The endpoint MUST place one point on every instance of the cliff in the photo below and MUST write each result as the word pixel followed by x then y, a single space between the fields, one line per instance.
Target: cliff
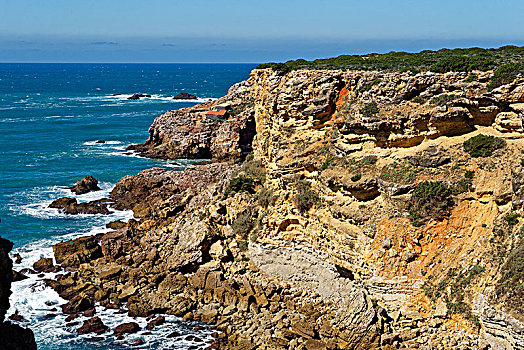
pixel 12 336
pixel 379 210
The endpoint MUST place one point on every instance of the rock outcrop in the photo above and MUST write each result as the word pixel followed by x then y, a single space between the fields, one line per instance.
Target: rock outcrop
pixel 361 221
pixel 86 184
pixel 12 336
pixel 184 96
pixel 189 133
pixel 71 206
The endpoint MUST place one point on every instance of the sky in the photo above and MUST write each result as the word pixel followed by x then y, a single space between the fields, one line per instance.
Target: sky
pixel 247 30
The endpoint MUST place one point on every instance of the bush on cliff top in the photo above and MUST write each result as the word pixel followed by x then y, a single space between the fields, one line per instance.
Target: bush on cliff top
pixel 505 74
pixel 483 145
pixel 444 60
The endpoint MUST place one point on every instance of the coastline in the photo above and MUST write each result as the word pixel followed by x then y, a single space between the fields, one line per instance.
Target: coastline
pixel 227 242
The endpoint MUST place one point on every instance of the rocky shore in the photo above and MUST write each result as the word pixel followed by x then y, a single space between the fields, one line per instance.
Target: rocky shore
pixel 12 336
pixel 340 210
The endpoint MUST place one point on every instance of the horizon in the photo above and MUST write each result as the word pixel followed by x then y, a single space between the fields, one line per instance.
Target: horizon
pixel 234 31
pixel 289 58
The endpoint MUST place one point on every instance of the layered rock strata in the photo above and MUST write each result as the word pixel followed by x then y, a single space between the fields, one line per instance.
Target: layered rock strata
pixel 315 242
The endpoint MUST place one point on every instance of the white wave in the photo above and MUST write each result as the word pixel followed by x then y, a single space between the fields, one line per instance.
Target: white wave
pixel 156 97
pixel 41 197
pixel 39 305
pixel 96 143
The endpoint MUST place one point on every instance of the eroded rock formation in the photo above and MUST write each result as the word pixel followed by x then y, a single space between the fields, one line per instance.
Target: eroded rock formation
pixel 360 222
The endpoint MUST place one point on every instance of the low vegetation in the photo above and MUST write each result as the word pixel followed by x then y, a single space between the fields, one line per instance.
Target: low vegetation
pixel 442 100
pixel 370 109
pixel 456 283
pixel 505 74
pixel 441 61
pixel 305 197
pixel 510 288
pixel 483 145
pixel 247 178
pixel 430 200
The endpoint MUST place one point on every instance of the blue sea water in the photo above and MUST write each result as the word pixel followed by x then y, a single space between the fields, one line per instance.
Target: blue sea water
pixel 51 116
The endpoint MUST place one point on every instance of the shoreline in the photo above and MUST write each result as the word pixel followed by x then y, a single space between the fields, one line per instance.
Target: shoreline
pixel 306 243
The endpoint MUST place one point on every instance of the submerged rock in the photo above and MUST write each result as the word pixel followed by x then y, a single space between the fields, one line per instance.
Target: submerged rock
pixel 138 96
pixel 184 96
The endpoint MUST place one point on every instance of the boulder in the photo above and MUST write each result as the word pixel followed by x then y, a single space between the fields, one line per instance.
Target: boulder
pixel 71 206
pixel 12 336
pixel 85 185
pixel 115 225
pixel 44 265
pixel 77 304
pixel 129 327
pixel 138 96
pixel 18 276
pixel 156 322
pixel 92 325
pixel 184 96
pixel 74 252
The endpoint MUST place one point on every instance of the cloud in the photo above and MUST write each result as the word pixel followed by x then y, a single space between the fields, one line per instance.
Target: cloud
pixel 104 43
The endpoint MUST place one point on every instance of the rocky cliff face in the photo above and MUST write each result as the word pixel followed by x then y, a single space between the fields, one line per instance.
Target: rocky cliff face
pixel 380 210
pixel 189 133
pixel 12 337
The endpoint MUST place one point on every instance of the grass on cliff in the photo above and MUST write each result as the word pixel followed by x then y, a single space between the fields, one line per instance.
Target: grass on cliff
pixel 247 178
pixel 483 145
pixel 510 288
pixel 441 61
pixel 456 282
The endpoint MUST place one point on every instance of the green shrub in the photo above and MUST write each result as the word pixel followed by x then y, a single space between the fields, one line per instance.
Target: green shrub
pixel 418 99
pixel 438 61
pixel 430 200
pixel 483 145
pixel 367 86
pixel 400 172
pixel 512 219
pixel 305 197
pixel 471 78
pixel 327 163
pixel 266 198
pixel 442 100
pixel 462 64
pixel 469 174
pixel 244 223
pixel 505 74
pixel 370 109
pixel 240 184
pixel 369 160
pixel 255 169
pixel 522 162
pixel 356 177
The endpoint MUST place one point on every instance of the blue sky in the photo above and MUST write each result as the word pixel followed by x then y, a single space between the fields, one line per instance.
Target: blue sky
pixel 246 31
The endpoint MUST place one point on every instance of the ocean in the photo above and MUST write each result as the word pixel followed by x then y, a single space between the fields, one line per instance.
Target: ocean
pixel 51 116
